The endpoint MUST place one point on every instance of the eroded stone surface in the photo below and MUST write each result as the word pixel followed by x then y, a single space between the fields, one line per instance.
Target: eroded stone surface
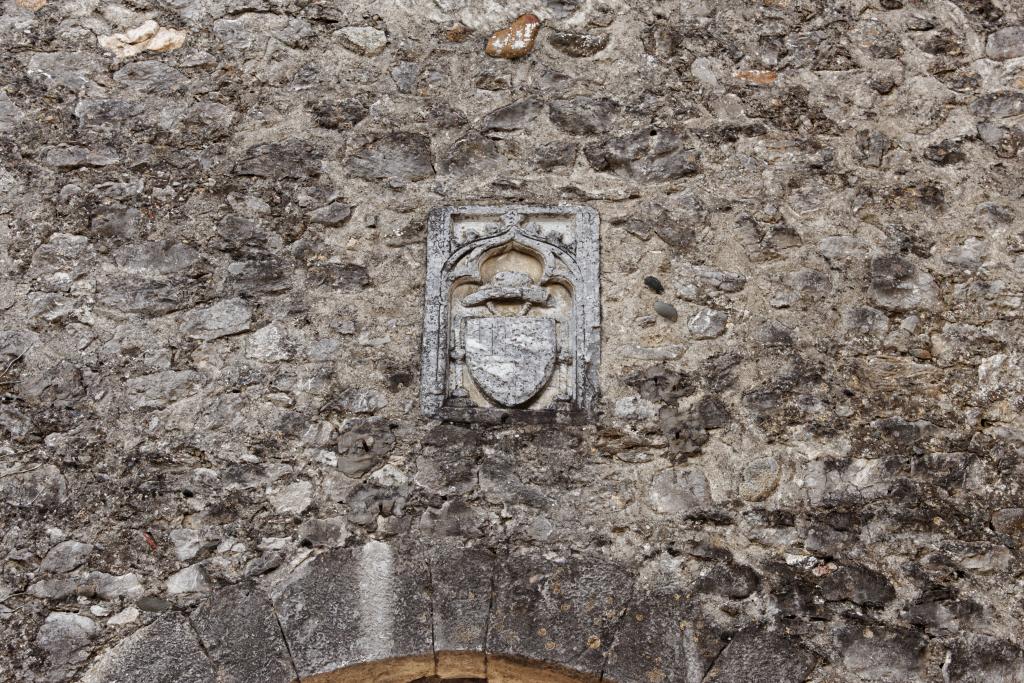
pixel 240 632
pixel 213 273
pixel 166 651
pixel 352 607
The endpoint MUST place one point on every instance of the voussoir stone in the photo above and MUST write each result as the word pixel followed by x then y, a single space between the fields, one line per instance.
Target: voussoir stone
pixel 563 613
pixel 462 581
pixel 166 651
pixel 352 608
pixel 756 655
pixel 663 637
pixel 238 628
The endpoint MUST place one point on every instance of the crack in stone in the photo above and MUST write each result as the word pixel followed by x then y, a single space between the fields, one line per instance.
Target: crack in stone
pixel 490 610
pixel 713 662
pixel 202 646
pixel 284 638
pixel 618 625
pixel 433 636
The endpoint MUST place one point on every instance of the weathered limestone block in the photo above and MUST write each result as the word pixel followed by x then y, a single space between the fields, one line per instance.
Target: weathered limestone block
pixel 663 637
pixel 166 651
pixel 354 608
pixel 461 580
pixel 238 628
pixel 756 655
pixel 561 613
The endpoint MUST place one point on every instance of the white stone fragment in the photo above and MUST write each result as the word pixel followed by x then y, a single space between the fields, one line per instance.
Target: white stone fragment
pixel 187 543
pixel 292 499
pixel 189 580
pixel 364 40
pixel 125 616
pixel 148 36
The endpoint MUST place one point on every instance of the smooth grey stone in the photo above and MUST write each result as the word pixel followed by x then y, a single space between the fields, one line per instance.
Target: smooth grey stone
pixel 666 310
pixel 152 603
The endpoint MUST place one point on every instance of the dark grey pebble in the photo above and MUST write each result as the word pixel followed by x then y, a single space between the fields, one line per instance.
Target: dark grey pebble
pixel 654 284
pixel 153 604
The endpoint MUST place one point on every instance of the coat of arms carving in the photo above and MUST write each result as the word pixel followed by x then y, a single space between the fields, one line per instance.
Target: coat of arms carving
pixel 512 320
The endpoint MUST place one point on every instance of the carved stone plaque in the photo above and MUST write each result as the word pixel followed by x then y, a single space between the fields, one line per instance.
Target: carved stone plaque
pixel 512 326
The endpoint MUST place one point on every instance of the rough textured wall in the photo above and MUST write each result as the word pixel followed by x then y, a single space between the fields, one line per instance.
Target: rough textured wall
pixel 212 251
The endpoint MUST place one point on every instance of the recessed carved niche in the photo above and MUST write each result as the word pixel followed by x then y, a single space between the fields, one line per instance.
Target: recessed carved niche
pixel 512 317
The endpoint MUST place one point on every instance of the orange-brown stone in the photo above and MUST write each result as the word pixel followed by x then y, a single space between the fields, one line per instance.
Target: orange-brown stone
pixel 457 32
pixel 757 76
pixel 516 40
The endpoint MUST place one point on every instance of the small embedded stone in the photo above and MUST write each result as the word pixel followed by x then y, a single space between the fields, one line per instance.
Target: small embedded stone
pixel 516 40
pixel 457 32
pixel 760 477
pixel 189 580
pixel 578 44
pixel 151 603
pixel 1006 43
pixel 757 76
pixel 148 36
pixel 1009 521
pixel 654 284
pixel 334 214
pixel 363 40
pixel 708 323
pixel 66 556
pixel 667 311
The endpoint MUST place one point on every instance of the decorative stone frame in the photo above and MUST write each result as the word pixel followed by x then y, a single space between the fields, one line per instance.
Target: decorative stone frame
pixel 460 239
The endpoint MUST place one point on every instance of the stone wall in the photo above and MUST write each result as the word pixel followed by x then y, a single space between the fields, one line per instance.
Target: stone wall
pixel 212 246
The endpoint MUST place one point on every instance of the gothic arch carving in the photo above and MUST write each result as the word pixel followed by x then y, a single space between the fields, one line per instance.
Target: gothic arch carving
pixel 521 337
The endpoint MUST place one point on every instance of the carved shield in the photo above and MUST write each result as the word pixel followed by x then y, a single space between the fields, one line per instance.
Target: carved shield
pixel 510 358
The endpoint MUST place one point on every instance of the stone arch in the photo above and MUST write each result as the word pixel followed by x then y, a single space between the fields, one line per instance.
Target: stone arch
pixel 385 613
